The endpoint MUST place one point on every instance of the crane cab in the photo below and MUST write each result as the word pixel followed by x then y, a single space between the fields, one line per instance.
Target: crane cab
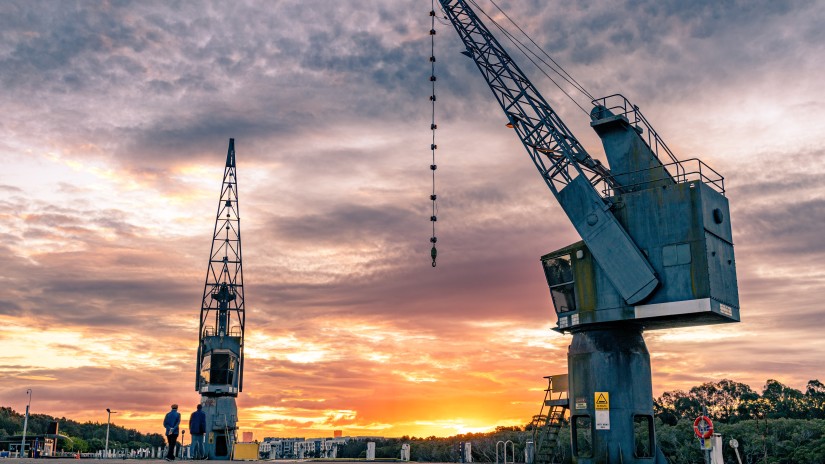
pixel 219 366
pixel 684 232
pixel 676 215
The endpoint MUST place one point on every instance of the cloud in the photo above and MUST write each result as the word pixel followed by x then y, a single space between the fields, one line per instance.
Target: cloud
pixel 116 123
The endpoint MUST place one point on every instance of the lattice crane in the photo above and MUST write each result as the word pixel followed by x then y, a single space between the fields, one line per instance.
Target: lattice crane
pixel 656 249
pixel 219 372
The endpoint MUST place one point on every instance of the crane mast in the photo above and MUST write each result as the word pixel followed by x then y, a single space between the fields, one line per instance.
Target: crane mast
pixel 656 252
pixel 219 371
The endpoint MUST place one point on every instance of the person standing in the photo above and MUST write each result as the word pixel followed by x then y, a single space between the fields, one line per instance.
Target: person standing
pixel 172 425
pixel 197 428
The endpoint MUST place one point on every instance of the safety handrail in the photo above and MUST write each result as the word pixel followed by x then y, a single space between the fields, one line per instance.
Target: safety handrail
pixel 209 331
pixel 619 105
pixel 688 170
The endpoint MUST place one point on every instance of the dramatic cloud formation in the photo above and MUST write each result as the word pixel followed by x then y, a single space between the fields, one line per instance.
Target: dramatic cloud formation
pixel 116 118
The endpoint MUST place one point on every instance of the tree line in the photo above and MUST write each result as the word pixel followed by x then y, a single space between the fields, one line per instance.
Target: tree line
pixel 730 402
pixel 779 425
pixel 83 437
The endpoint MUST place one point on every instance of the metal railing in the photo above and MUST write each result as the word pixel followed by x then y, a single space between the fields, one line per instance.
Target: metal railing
pixel 621 106
pixel 209 331
pixel 678 171
pixel 512 451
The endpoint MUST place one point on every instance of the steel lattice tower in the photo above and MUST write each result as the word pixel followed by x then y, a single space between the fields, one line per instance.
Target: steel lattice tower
pixel 219 374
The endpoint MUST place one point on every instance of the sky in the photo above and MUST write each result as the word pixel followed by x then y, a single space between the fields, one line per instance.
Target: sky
pixel 116 119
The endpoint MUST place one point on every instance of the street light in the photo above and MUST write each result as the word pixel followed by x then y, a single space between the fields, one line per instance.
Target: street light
pixel 25 423
pixel 108 421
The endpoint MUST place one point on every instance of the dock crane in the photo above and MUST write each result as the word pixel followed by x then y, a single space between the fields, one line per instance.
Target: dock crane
pixel 219 371
pixel 656 249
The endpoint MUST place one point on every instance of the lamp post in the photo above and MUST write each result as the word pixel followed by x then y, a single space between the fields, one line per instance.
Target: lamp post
pixel 108 421
pixel 25 423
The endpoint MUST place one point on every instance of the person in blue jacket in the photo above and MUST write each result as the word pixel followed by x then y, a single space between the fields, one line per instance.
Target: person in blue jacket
pixel 172 425
pixel 197 427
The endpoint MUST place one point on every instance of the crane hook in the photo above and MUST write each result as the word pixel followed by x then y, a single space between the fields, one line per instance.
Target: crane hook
pixel 433 253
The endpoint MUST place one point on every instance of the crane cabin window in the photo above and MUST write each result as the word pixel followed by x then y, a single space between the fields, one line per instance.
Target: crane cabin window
pixel 206 365
pixel 218 369
pixel 223 369
pixel 559 274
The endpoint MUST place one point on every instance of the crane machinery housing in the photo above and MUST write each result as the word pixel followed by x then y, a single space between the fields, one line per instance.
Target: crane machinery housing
pixel 219 371
pixel 656 249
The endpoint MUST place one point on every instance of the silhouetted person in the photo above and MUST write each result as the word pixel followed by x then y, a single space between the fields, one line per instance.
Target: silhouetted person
pixel 197 427
pixel 171 423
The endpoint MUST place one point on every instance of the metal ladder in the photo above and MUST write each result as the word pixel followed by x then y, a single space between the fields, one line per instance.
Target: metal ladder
pixel 548 422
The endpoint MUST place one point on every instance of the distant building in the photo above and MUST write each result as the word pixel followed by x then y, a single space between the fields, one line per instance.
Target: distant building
pixel 311 448
pixel 282 448
pixel 337 433
pixel 36 445
pixel 264 450
pixel 302 448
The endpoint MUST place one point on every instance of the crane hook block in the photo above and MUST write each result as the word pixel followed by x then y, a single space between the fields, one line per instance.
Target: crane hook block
pixel 433 239
pixel 433 197
pixel 433 254
pixel 432 31
pixel 432 12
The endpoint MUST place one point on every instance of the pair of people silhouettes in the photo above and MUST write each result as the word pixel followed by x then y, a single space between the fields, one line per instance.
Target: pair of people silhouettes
pixel 197 428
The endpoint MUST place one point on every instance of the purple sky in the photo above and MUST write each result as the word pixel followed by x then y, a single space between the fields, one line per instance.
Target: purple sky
pixel 116 118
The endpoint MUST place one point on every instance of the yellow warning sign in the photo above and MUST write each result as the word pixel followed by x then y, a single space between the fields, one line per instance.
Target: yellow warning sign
pixel 602 400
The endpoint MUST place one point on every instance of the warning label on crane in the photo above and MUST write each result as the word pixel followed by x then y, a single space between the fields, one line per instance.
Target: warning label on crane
pixel 602 400
pixel 602 405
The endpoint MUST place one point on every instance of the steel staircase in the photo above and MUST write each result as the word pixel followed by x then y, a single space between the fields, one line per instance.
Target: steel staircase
pixel 548 422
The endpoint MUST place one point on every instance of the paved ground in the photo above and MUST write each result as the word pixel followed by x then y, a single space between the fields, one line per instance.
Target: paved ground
pixel 136 461
pixel 89 461
pixel 117 461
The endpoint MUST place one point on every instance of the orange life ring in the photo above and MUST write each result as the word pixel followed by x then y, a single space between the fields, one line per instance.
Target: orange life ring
pixel 708 431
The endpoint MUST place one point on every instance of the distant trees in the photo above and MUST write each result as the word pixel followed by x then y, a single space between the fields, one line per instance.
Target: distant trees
pixel 85 437
pixel 780 425
pixel 729 402
pixel 775 441
pixel 815 396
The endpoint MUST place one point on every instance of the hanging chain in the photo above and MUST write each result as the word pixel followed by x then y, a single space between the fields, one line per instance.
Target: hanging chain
pixel 433 127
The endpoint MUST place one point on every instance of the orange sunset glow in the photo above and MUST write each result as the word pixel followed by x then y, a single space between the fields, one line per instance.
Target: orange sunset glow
pixel 116 118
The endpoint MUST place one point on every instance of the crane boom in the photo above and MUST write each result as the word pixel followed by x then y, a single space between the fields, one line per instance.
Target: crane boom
pixel 567 169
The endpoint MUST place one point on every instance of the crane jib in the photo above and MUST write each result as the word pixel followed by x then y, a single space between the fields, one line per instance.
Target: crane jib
pixel 561 160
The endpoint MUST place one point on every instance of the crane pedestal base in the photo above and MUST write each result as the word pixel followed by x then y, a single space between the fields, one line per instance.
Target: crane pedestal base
pixel 611 398
pixel 221 426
